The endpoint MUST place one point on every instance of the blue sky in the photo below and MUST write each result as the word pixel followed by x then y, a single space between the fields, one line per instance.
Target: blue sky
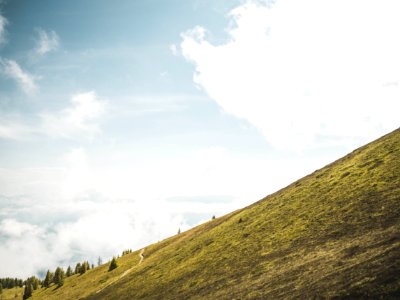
pixel 120 123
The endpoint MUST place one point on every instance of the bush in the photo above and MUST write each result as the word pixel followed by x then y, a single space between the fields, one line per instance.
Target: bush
pixel 113 264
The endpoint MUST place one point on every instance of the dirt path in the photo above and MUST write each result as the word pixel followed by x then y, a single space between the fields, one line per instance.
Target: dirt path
pixel 125 273
pixel 141 256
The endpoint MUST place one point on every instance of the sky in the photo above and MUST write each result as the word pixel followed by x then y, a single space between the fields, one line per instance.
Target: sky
pixel 122 122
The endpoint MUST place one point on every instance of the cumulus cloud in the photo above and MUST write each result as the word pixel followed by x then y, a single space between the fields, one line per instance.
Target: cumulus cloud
pixel 3 24
pixel 11 69
pixel 306 73
pixel 46 41
pixel 76 119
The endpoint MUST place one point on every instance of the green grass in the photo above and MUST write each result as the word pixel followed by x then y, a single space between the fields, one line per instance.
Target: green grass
pixel 14 293
pixel 333 233
pixel 79 286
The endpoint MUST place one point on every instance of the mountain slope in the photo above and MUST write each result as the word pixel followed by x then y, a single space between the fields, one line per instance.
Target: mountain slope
pixel 334 233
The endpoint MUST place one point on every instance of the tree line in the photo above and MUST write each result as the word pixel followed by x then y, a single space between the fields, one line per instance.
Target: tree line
pixel 57 278
pixel 9 283
pixel 54 278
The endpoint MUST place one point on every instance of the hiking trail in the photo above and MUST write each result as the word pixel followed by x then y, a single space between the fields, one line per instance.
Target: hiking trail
pixel 126 272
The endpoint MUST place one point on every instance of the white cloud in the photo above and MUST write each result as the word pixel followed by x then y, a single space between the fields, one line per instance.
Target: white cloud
pixel 77 175
pixel 79 118
pixel 70 216
pixel 46 41
pixel 11 69
pixel 3 24
pixel 174 49
pixel 20 242
pixel 94 205
pixel 305 71
pixel 96 229
pixel 13 228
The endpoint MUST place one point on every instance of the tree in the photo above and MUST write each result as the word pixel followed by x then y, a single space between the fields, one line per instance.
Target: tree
pixel 61 280
pixel 213 217
pixel 125 252
pixel 34 281
pixel 84 267
pixel 113 264
pixel 1 288
pixel 18 283
pixel 48 279
pixel 27 291
pixel 99 261
pixel 9 283
pixel 69 271
pixel 78 268
pixel 59 277
pixel 179 231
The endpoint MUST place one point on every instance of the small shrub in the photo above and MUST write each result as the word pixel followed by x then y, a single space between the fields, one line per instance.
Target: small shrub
pixel 113 264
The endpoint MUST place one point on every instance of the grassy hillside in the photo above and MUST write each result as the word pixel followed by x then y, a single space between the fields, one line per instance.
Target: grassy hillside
pixel 334 233
pixel 12 294
pixel 90 283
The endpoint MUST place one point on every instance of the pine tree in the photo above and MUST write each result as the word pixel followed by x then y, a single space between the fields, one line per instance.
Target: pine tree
pixel 99 261
pixel 83 268
pixel 125 252
pixel 59 276
pixel 113 264
pixel 48 279
pixel 34 281
pixel 27 291
pixel 69 271
pixel 61 280
pixel 1 288
pixel 78 268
